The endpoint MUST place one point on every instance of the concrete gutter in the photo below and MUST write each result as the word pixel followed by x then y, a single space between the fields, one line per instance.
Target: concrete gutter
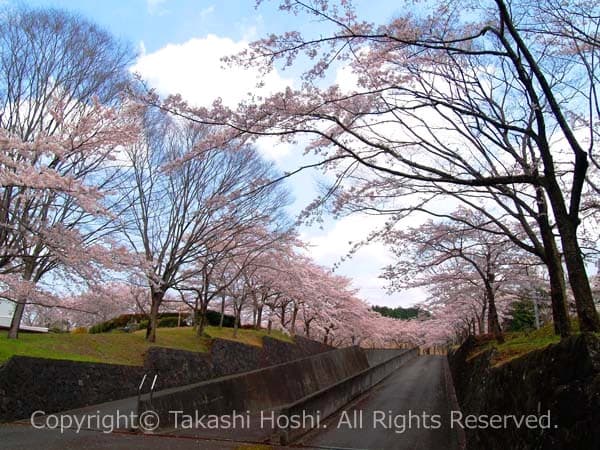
pixel 454 405
pixel 327 401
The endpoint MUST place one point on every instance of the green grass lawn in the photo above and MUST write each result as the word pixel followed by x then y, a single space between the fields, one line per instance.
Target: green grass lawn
pixel 251 337
pixel 119 347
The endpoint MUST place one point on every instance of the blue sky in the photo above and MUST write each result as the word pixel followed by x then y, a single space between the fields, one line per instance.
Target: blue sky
pixel 180 43
pixel 158 22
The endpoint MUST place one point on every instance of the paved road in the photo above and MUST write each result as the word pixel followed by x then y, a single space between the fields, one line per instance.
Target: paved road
pixel 22 437
pixel 397 414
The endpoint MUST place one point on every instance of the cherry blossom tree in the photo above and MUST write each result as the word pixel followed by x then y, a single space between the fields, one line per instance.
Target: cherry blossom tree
pixel 62 122
pixel 231 258
pixel 177 211
pixel 467 97
pixel 296 295
pixel 266 280
pixel 92 306
pixel 455 254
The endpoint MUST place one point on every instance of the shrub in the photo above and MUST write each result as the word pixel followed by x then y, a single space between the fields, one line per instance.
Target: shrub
pixel 165 320
pixel 168 322
pixel 102 327
pixel 116 322
pixel 80 330
pixel 57 329
pixel 213 318
pixel 522 316
pixel 124 320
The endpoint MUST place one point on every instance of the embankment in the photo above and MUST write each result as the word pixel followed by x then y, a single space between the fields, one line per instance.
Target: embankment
pixel 30 384
pixel 562 380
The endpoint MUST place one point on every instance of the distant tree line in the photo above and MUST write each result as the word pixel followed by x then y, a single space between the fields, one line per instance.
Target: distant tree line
pixel 400 313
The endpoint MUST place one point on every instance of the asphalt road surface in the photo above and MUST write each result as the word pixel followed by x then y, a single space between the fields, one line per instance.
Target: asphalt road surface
pixel 408 410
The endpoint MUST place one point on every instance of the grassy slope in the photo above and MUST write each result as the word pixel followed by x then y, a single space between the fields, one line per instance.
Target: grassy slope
pixel 119 348
pixel 518 344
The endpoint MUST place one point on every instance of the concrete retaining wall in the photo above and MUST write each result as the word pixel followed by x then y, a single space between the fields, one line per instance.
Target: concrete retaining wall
pixel 327 401
pixel 378 355
pixel 262 389
pixel 181 367
pixel 279 352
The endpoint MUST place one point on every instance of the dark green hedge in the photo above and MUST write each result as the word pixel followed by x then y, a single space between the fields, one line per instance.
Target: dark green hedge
pixel 126 319
pixel 169 322
pixel 213 318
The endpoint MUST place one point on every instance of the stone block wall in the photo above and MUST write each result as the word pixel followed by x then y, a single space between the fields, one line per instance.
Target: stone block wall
pixel 562 379
pixel 31 384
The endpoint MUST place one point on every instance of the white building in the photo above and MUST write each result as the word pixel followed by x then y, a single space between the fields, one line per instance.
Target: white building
pixel 6 313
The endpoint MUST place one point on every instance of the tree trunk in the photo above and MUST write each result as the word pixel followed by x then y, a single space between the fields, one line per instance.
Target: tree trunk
pixel 483 313
pixel 222 311
pixel 196 318
pixel 536 312
pixel 259 318
pixel 479 319
pixel 493 323
pixel 558 290
pixel 201 319
pixel 325 338
pixel 293 323
pixel 283 316
pixel 578 279
pixel 157 298
pixel 236 320
pixel 558 296
pixel 15 323
pixel 13 332
pixel 196 314
pixel 580 284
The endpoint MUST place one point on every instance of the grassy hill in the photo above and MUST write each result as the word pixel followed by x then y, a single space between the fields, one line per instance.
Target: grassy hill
pixel 119 347
pixel 520 343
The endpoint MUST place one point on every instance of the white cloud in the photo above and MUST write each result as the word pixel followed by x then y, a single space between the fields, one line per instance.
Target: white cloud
pixel 249 27
pixel 141 48
pixel 155 7
pixel 194 69
pixel 270 147
pixel 207 11
pixel 328 246
pixel 346 79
